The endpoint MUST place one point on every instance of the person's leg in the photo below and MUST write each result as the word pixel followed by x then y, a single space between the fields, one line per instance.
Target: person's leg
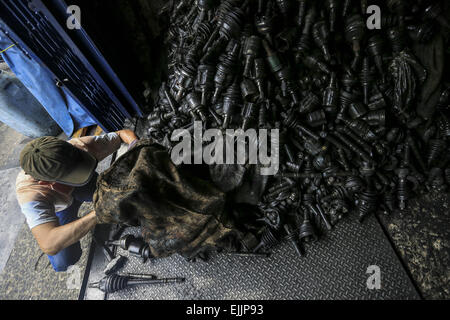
pixel 69 256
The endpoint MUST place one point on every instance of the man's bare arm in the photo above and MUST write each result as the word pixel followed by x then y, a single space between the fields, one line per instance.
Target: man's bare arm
pixel 53 238
pixel 127 136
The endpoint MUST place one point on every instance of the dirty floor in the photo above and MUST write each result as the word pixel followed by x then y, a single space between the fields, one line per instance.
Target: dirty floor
pixel 421 237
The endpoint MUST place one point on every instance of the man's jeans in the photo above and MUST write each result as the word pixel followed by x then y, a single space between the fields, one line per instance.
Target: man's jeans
pixel 70 256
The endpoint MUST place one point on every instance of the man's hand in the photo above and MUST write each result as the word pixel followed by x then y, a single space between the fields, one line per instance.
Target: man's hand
pixel 127 136
pixel 52 238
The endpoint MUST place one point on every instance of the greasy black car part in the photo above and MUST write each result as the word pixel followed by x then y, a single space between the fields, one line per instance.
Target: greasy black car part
pixel 344 97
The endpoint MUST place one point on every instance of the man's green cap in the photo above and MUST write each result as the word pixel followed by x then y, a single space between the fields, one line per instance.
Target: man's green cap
pixel 53 160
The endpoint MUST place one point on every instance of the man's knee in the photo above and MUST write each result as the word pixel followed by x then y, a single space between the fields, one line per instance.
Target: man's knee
pixel 66 258
pixel 62 268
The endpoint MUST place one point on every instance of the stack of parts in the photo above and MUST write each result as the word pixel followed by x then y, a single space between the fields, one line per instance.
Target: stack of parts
pixel 363 114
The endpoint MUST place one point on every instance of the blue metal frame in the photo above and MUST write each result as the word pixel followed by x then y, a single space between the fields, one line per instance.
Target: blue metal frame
pixel 35 30
pixel 82 35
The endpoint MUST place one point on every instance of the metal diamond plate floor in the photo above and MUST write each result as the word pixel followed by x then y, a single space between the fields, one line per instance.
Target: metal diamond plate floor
pixel 335 268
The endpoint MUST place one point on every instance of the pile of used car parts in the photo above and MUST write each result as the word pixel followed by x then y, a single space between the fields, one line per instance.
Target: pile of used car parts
pixel 363 114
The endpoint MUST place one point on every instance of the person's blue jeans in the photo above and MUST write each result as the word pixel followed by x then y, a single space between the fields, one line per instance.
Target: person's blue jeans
pixel 70 256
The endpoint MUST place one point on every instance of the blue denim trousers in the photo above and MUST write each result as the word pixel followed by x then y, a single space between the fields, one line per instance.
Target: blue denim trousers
pixel 70 256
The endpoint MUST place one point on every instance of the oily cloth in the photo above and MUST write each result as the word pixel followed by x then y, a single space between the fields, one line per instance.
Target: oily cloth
pixel 178 211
